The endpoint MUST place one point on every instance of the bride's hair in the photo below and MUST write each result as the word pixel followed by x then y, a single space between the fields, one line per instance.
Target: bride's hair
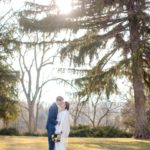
pixel 67 105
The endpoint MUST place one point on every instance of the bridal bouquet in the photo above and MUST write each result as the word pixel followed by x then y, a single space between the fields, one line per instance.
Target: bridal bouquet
pixel 56 137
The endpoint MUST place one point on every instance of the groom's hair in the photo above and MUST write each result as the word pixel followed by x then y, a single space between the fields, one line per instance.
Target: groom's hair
pixel 67 105
pixel 59 98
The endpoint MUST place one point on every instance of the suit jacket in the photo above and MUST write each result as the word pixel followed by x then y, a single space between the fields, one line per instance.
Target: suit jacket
pixel 52 119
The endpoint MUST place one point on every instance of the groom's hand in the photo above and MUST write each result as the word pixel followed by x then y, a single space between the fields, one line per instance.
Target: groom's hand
pixel 58 122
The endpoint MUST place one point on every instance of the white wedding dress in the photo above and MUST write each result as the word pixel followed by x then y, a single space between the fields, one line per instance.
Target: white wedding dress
pixel 64 127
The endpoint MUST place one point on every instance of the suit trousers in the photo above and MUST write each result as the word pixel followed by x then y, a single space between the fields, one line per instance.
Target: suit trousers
pixel 51 144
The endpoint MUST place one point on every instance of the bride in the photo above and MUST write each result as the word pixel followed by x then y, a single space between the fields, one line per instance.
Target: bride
pixel 63 128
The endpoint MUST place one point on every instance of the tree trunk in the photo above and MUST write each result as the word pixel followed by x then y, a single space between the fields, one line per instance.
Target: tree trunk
pixel 31 117
pixel 76 115
pixel 5 124
pixel 75 122
pixel 93 124
pixel 36 117
pixel 141 125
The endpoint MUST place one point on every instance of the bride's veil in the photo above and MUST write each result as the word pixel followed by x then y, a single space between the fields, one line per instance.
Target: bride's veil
pixel 66 129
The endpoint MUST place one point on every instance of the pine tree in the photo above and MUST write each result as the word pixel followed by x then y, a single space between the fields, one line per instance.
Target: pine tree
pixel 9 108
pixel 126 23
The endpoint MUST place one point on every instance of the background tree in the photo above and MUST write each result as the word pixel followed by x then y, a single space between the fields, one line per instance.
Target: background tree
pixel 97 110
pixel 128 114
pixel 34 59
pixel 76 107
pixel 128 119
pixel 9 109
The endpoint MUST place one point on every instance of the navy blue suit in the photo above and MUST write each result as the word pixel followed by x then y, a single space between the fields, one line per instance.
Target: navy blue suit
pixel 51 122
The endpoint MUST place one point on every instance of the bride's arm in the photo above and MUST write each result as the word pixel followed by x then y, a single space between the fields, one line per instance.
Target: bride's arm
pixel 66 125
pixel 62 122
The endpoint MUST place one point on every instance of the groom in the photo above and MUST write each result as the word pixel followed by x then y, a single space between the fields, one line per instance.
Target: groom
pixel 52 120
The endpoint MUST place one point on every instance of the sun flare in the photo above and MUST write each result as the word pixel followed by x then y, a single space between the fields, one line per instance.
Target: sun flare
pixel 65 6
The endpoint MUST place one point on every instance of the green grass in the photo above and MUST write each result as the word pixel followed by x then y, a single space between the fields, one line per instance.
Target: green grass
pixel 40 143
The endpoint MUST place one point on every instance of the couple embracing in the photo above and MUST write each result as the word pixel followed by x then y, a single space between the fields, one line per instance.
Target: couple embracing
pixel 58 125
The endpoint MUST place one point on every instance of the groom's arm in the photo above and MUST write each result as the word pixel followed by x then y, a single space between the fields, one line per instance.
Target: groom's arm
pixel 52 116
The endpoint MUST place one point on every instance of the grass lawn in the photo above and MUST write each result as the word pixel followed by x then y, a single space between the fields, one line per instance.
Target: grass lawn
pixel 40 143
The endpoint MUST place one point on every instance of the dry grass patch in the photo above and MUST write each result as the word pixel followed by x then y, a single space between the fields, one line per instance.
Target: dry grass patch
pixel 40 143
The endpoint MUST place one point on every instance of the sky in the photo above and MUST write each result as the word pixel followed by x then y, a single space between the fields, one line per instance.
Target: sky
pixel 64 5
pixel 54 89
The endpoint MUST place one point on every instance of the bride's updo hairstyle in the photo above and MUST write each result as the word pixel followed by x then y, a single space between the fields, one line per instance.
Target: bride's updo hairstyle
pixel 67 105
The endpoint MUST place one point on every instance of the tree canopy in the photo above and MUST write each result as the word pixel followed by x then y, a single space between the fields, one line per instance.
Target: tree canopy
pixel 124 24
